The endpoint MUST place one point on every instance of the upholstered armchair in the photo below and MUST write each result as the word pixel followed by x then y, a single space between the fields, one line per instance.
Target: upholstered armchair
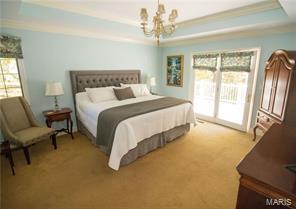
pixel 20 127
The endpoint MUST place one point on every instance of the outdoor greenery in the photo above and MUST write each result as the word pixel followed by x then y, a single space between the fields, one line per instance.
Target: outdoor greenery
pixel 227 77
pixel 9 78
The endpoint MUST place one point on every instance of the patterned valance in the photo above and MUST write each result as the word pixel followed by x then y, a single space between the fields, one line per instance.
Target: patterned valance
pixel 205 62
pixel 236 61
pixel 10 47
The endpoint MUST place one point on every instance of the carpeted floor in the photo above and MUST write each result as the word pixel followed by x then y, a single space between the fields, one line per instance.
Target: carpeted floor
pixel 196 171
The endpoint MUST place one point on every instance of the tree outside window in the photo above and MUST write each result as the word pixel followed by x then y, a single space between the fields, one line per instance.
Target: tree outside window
pixel 10 82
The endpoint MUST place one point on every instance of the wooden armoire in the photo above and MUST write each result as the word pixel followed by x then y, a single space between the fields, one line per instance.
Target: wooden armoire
pixel 278 101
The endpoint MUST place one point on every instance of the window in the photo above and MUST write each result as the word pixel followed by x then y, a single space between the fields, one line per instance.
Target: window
pixel 12 73
pixel 10 81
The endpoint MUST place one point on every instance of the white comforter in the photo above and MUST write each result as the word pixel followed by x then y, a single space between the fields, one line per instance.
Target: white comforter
pixel 133 130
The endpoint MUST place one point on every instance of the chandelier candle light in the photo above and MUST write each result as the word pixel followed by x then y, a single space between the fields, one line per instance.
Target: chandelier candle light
pixel 159 29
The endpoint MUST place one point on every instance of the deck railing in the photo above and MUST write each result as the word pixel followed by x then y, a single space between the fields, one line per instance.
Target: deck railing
pixel 229 93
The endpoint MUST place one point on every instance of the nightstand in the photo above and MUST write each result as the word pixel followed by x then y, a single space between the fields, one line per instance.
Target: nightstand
pixel 60 115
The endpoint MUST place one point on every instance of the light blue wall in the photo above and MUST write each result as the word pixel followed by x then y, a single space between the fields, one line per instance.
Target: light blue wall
pixel 23 11
pixel 267 43
pixel 49 57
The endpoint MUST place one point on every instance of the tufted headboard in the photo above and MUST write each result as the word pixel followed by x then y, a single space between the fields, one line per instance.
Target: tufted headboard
pixel 82 79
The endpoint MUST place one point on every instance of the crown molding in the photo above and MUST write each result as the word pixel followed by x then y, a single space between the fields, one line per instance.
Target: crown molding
pixel 241 11
pixel 83 11
pixel 237 12
pixel 239 32
pixel 73 31
pixel 223 34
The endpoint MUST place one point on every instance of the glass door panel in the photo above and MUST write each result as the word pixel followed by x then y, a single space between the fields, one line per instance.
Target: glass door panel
pixel 232 99
pixel 205 92
pixel 222 91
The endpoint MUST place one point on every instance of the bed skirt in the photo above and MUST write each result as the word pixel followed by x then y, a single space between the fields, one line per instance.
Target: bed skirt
pixel 146 145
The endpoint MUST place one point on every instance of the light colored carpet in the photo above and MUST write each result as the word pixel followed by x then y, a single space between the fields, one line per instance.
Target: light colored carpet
pixel 196 171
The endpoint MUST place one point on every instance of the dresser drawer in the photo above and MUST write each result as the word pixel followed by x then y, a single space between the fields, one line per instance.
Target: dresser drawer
pixel 58 117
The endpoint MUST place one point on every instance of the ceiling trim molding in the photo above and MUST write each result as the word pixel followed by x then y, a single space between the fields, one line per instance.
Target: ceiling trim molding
pixel 53 28
pixel 83 11
pixel 237 12
pixel 230 34
pixel 241 11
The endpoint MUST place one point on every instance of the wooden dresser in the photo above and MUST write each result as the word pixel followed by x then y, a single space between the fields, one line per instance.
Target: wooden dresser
pixel 265 181
pixel 278 101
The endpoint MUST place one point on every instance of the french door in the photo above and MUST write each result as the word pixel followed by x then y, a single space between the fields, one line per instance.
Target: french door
pixel 222 93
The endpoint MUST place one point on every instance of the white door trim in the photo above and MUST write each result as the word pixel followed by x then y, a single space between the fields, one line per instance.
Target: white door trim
pixel 247 118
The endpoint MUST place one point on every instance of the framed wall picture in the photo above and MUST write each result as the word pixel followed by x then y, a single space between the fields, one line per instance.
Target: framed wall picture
pixel 175 66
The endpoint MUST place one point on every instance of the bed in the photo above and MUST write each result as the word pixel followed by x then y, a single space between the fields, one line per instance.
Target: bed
pixel 132 138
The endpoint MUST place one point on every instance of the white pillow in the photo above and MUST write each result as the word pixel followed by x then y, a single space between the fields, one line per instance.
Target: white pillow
pixel 101 94
pixel 82 97
pixel 138 89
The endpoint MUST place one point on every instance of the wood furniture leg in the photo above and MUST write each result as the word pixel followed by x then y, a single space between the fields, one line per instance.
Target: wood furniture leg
pixel 68 121
pixel 254 131
pixel 71 128
pixel 5 147
pixel 11 161
pixel 54 140
pixel 27 155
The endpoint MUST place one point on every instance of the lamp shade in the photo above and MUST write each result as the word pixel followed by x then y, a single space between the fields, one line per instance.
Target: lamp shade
pixel 161 9
pixel 152 81
pixel 174 13
pixel 144 15
pixel 54 89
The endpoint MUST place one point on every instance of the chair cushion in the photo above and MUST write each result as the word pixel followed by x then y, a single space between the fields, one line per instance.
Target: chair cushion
pixel 15 114
pixel 33 134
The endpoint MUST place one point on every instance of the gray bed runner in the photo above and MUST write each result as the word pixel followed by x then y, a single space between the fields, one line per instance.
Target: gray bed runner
pixel 110 118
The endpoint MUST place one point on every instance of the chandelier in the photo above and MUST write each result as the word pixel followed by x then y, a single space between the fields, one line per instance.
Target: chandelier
pixel 159 28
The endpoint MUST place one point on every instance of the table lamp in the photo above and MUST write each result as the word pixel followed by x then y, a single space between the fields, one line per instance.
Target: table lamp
pixel 152 82
pixel 54 89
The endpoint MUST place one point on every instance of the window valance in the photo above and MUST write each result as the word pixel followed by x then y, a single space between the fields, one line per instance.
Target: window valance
pixel 205 61
pixel 236 61
pixel 10 47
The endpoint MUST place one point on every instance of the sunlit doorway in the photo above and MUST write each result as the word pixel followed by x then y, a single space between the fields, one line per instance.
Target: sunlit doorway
pixel 223 84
